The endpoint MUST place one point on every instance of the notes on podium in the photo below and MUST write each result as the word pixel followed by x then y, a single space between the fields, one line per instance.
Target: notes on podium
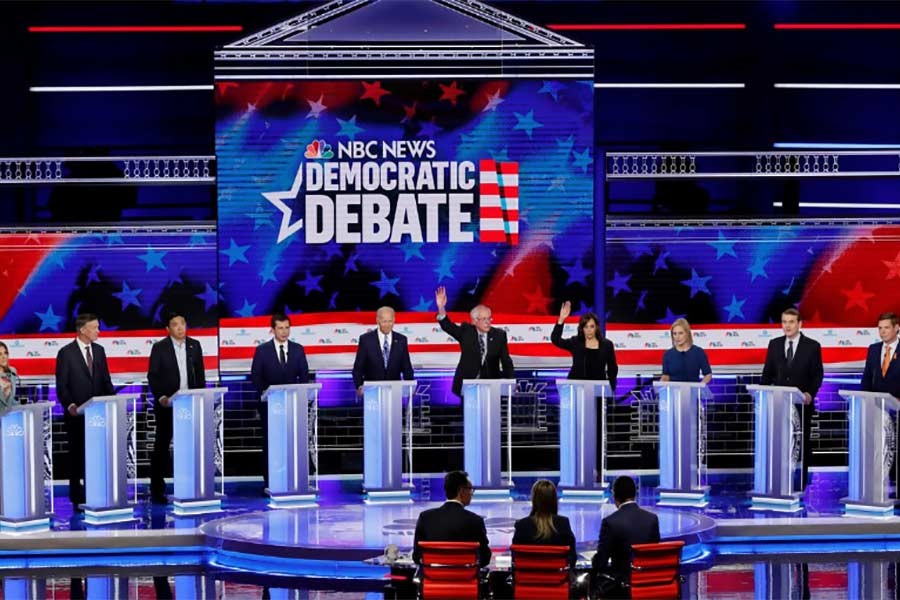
pixel 681 473
pixel 108 438
pixel 481 429
pixel 383 440
pixel 22 480
pixel 195 434
pixel 287 409
pixel 580 477
pixel 869 419
pixel 773 451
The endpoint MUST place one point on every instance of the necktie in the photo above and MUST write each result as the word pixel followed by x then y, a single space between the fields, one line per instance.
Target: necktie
pixel 385 351
pixel 482 345
pixel 886 362
pixel 89 359
pixel 790 352
pixel 283 355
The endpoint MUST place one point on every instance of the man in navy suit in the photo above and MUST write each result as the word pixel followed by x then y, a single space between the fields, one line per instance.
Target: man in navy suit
pixel 882 372
pixel 276 362
pixel 382 354
pixel 795 360
pixel 484 353
pixel 81 374
pixel 629 525
pixel 176 364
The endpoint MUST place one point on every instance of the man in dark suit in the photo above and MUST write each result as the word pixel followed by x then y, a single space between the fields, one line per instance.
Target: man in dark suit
pixel 81 374
pixel 276 362
pixel 629 525
pixel 795 360
pixel 176 364
pixel 882 372
pixel 452 522
pixel 483 349
pixel 382 354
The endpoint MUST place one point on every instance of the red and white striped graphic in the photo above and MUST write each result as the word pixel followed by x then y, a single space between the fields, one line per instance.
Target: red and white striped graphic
pixel 499 209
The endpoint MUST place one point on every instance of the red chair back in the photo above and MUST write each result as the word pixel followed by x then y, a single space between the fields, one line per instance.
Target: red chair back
pixel 540 572
pixel 655 570
pixel 449 570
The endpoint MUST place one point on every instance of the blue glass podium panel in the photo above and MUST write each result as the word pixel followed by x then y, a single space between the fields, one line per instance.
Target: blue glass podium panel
pixel 773 464
pixel 383 440
pixel 288 414
pixel 680 437
pixel 481 429
pixel 195 433
pixel 579 473
pixel 22 504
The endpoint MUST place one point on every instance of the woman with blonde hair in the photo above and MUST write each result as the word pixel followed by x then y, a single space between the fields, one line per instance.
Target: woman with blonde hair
pixel 684 361
pixel 544 526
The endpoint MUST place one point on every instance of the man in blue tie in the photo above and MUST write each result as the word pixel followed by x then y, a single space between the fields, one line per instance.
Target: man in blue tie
pixel 382 354
pixel 276 362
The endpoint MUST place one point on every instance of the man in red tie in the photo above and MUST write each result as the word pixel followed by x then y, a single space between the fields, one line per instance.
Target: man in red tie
pixel 882 373
pixel 81 374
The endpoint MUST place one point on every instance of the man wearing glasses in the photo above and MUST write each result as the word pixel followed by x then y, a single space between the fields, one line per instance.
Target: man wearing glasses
pixel 484 353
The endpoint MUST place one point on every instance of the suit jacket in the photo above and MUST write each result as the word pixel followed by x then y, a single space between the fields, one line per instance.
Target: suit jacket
pixel 805 371
pixel 497 364
pixel 526 533
pixel 369 363
pixel 74 383
pixel 629 525
pixel 873 380
pixel 451 522
pixel 574 345
pixel 267 369
pixel 163 375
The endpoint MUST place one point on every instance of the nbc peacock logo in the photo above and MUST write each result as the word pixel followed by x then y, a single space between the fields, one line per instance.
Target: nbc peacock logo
pixel 319 149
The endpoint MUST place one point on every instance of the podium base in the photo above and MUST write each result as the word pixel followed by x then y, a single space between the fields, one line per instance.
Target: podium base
pixel 503 494
pixel 25 525
pixel 401 496
pixel 880 510
pixel 103 516
pixel 788 504
pixel 696 498
pixel 197 507
pixel 292 500
pixel 599 495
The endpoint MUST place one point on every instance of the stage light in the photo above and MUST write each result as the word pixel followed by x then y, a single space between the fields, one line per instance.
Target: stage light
pixel 671 86
pixel 833 146
pixel 838 86
pixel 647 26
pixel 866 205
pixel 836 26
pixel 134 28
pixel 123 88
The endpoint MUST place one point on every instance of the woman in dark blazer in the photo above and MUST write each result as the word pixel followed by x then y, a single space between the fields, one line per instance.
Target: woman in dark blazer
pixel 593 357
pixel 543 526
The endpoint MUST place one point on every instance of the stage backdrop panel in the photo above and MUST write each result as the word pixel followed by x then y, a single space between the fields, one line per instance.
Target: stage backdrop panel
pixel 339 197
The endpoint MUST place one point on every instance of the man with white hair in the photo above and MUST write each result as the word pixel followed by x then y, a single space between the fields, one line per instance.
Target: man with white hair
pixel 484 353
pixel 382 354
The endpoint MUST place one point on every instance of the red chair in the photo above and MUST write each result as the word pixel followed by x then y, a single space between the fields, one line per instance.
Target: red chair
pixel 654 570
pixel 449 570
pixel 540 572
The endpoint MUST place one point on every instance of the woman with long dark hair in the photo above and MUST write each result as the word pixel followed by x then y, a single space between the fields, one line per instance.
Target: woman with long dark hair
pixel 593 357
pixel 544 526
pixel 8 379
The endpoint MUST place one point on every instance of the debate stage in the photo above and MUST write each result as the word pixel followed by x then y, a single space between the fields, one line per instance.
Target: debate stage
pixel 333 539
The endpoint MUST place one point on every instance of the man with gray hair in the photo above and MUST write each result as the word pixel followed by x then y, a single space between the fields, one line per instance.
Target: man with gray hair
pixel 382 354
pixel 484 353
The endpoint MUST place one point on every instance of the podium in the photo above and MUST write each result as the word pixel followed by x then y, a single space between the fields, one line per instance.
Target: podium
pixel 578 406
pixel 481 429
pixel 105 457
pixel 382 440
pixel 680 439
pixel 22 504
pixel 288 414
pixel 773 467
pixel 195 433
pixel 868 414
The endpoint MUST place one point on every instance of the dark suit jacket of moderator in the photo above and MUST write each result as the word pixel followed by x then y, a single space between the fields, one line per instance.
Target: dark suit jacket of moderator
pixel 805 371
pixel 629 525
pixel 451 522
pixel 74 383
pixel 526 533
pixel 369 362
pixel 873 380
pixel 497 364
pixel 267 369
pixel 163 375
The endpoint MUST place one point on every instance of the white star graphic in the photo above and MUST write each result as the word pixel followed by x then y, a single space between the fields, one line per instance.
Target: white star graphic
pixel 494 101
pixel 316 108
pixel 286 229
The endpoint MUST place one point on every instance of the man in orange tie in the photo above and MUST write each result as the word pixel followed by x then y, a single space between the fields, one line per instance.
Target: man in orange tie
pixel 882 373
